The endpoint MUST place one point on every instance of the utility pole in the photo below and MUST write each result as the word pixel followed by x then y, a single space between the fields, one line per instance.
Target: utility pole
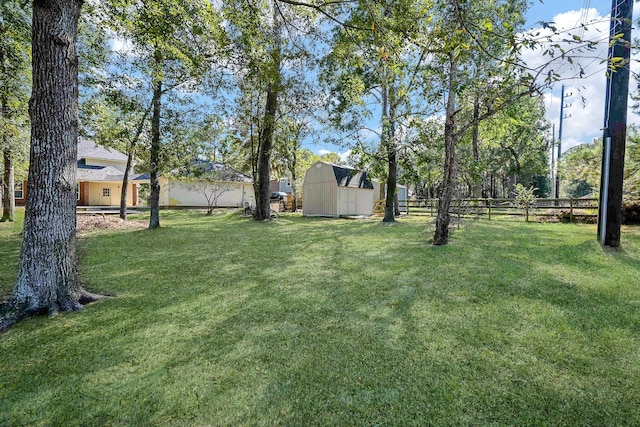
pixel 562 117
pixel 615 123
pixel 552 179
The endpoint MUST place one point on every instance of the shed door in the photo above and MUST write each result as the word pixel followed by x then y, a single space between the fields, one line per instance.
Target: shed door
pixel 348 201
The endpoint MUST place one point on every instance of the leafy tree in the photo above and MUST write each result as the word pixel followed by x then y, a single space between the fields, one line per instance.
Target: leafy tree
pixel 268 65
pixel 375 70
pixel 15 57
pixel 211 180
pixel 475 46
pixel 173 44
pixel 422 162
pixel 580 167
pixel 525 199
pixel 513 144
pixel 114 106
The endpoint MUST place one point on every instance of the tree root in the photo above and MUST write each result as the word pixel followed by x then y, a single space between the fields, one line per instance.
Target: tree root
pixel 12 311
pixel 86 297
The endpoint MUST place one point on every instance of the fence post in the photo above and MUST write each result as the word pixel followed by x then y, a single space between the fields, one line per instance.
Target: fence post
pixel 489 208
pixel 571 209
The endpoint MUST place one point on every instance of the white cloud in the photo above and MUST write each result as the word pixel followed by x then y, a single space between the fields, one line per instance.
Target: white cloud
pixel 586 95
pixel 344 157
pixel 324 151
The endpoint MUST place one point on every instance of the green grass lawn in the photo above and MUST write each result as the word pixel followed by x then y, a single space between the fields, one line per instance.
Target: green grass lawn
pixel 224 321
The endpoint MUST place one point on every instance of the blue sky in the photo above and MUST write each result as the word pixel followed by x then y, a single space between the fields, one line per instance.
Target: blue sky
pixel 546 11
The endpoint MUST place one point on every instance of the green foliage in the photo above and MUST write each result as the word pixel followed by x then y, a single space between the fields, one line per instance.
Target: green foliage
pixel 15 82
pixel 580 165
pixel 512 143
pixel 215 327
pixel 525 198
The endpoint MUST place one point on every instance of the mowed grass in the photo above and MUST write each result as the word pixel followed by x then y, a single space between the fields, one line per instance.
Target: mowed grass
pixel 225 321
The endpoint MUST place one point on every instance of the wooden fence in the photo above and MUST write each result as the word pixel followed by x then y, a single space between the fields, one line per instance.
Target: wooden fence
pixel 562 209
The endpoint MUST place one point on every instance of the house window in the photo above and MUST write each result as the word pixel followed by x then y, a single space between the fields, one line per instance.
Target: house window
pixel 106 192
pixel 18 191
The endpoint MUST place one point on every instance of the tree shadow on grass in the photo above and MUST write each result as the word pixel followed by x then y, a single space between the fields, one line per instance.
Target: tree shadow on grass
pixel 336 325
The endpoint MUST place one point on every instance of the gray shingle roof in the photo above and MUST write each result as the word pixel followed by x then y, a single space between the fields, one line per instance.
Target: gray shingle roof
pixel 349 177
pixel 107 173
pixel 91 150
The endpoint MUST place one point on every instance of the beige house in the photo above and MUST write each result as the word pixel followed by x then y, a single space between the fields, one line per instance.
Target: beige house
pixel 100 175
pixel 231 188
pixel 99 178
pixel 333 191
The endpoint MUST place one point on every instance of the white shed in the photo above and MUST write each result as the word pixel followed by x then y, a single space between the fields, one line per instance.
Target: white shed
pixel 332 190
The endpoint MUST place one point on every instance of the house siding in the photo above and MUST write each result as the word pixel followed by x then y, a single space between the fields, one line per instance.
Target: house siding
pixel 174 193
pixel 94 194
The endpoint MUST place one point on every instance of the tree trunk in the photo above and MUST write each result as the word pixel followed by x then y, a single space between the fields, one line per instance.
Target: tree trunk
pixel 265 143
pixel 130 155
pixel 47 277
pixel 8 187
pixel 154 199
pixel 441 236
pixel 389 104
pixel 294 178
pixel 8 183
pixel 125 182
pixel 477 180
pixel 265 138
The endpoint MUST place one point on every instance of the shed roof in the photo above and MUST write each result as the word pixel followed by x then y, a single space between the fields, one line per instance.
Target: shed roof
pixel 349 177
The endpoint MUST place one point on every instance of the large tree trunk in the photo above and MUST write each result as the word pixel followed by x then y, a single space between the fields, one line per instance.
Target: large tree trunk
pixel 47 280
pixel 265 143
pixel 154 200
pixel 265 139
pixel 441 235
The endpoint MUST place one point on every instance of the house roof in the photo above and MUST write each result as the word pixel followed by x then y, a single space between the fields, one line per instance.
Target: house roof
pixel 349 177
pixel 91 150
pixel 103 173
pixel 206 168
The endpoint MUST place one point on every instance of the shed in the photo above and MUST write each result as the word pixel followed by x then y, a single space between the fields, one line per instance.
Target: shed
pixel 333 190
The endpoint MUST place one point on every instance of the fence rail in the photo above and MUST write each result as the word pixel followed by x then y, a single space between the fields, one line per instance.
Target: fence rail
pixel 566 209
